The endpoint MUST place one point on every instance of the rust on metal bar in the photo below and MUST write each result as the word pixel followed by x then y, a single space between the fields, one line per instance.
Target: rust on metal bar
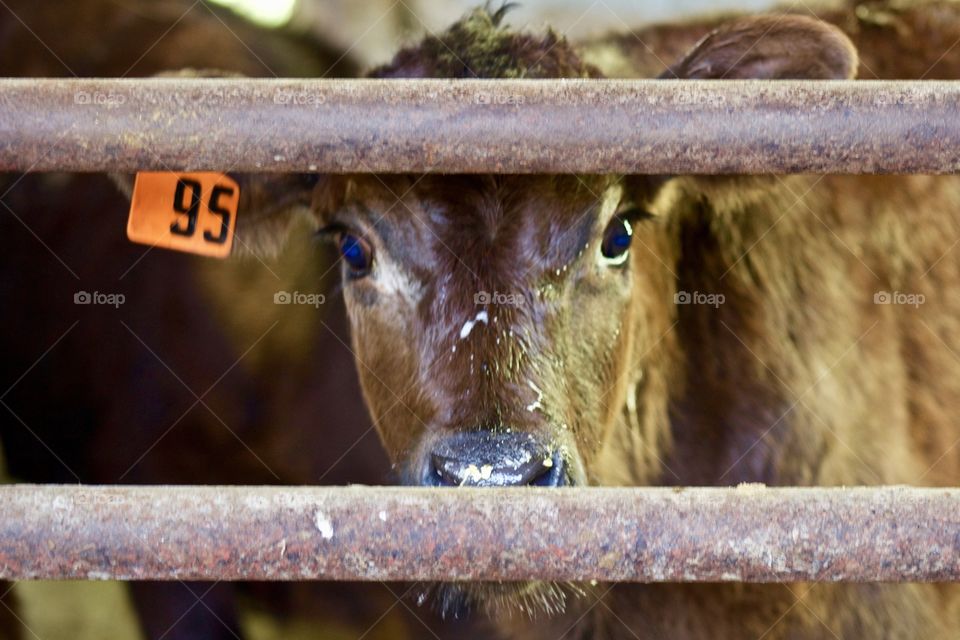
pixel 480 126
pixel 749 533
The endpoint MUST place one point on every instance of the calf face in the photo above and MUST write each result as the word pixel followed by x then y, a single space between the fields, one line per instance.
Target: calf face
pixel 493 319
pixel 506 327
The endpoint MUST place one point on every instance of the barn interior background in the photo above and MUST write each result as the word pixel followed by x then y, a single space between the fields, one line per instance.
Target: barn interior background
pixel 365 34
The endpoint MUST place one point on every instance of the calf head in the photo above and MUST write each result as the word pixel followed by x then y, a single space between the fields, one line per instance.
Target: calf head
pixel 518 330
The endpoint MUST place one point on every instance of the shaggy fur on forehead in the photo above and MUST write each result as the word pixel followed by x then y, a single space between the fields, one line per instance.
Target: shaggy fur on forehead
pixel 479 46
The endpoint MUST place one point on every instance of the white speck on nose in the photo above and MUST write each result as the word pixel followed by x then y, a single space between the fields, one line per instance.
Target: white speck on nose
pixel 324 526
pixel 472 474
pixel 533 406
pixel 469 324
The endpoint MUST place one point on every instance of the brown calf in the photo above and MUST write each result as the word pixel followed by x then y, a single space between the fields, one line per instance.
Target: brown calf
pixel 636 330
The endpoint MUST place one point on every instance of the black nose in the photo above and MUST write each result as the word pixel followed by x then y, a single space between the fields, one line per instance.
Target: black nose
pixel 487 459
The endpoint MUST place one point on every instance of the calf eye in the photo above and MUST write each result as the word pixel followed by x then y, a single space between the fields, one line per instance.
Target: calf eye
pixel 616 241
pixel 357 253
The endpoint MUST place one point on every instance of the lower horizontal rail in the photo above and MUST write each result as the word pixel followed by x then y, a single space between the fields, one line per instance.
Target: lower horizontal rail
pixel 749 533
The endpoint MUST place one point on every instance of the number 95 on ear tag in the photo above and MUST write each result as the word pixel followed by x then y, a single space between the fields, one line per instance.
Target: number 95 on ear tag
pixel 191 212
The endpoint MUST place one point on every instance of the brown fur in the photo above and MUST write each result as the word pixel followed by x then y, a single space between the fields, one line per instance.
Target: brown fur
pixel 798 378
pixel 476 47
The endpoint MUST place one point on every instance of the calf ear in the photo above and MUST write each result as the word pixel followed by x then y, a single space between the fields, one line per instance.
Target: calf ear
pixel 777 47
pixel 270 203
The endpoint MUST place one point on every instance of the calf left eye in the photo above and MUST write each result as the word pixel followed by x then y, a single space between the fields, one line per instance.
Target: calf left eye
pixel 357 253
pixel 616 241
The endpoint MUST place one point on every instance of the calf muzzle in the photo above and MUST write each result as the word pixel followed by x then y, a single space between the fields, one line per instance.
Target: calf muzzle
pixel 489 459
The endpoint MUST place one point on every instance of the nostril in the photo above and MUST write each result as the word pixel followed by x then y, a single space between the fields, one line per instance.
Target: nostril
pixel 482 459
pixel 553 472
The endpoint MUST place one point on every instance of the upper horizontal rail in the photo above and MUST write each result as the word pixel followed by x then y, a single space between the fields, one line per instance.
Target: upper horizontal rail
pixel 750 533
pixel 480 126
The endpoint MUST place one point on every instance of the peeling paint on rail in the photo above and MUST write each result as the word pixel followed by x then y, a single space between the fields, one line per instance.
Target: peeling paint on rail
pixel 751 533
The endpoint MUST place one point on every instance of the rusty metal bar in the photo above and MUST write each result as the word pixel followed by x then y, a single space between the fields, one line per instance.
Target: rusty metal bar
pixel 480 126
pixel 750 533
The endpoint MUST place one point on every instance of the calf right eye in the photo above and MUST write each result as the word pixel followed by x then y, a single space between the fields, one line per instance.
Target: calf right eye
pixel 356 253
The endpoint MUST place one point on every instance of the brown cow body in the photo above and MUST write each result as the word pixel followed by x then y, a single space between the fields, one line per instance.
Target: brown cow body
pixel 802 374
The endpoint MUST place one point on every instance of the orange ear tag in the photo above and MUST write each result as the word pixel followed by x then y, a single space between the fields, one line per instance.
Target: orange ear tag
pixel 191 212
